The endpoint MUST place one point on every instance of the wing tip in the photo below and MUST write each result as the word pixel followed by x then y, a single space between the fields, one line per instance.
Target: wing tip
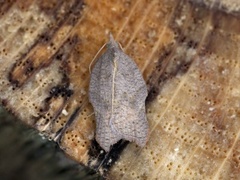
pixel 107 141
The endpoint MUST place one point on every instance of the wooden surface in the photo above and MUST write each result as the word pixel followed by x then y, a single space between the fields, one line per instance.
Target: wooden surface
pixel 188 52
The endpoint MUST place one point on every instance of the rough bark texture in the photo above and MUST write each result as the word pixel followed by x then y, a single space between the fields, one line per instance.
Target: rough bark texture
pixel 188 52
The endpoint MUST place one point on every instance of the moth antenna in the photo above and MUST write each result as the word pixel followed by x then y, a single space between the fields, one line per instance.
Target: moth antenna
pixel 120 46
pixel 94 58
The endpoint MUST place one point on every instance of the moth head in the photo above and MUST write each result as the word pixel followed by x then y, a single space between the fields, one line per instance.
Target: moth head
pixel 112 44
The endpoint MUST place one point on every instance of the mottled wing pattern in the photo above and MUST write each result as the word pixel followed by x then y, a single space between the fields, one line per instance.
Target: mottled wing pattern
pixel 117 92
pixel 129 116
pixel 100 97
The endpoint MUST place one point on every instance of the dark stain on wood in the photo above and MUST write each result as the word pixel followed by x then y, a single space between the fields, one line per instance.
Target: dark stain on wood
pixel 62 91
pixel 61 131
pixel 39 55
pixel 105 160
pixel 4 7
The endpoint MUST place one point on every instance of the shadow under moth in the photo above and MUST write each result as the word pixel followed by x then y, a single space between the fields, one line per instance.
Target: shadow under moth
pixel 117 92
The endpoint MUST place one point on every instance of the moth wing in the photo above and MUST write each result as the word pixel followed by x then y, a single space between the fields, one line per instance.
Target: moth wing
pixel 104 135
pixel 129 79
pixel 131 125
pixel 129 116
pixel 101 99
pixel 101 82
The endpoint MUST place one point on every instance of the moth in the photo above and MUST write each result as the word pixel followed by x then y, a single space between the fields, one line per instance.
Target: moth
pixel 117 92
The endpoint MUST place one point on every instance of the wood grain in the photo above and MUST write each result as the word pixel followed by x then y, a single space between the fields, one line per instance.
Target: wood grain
pixel 188 52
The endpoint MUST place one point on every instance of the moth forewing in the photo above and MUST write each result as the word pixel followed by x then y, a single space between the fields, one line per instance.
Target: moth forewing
pixel 117 92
